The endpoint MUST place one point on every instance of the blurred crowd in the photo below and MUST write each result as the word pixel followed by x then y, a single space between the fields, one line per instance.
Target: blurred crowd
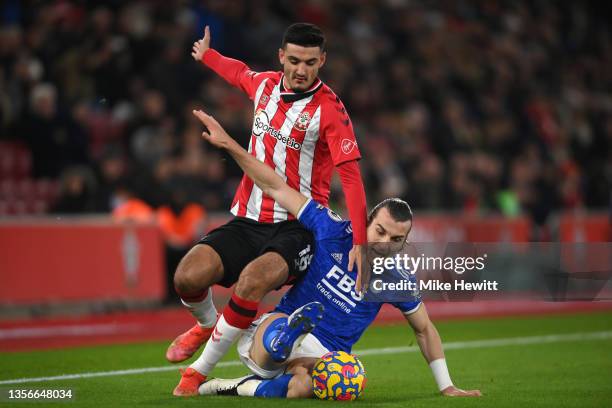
pixel 471 106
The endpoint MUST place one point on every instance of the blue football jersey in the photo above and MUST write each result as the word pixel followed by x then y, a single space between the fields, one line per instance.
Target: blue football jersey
pixel 328 281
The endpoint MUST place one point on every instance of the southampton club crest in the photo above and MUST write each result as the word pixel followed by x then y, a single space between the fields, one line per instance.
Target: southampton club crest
pixel 264 100
pixel 302 122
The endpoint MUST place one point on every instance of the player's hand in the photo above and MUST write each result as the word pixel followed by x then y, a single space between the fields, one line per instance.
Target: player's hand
pixel 200 46
pixel 215 135
pixel 355 258
pixel 453 391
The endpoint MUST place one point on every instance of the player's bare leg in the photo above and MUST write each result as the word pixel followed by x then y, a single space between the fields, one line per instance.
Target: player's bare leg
pixel 288 333
pixel 300 385
pixel 260 276
pixel 199 269
pixel 296 383
pixel 258 352
pixel 265 273
pixel 279 334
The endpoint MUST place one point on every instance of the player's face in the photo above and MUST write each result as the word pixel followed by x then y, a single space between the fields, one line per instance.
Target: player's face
pixel 385 235
pixel 300 65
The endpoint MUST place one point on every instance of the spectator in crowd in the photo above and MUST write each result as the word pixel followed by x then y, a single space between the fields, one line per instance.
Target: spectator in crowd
pixel 479 106
pixel 76 191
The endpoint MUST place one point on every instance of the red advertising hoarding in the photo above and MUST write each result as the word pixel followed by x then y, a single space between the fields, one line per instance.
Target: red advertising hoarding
pixel 77 261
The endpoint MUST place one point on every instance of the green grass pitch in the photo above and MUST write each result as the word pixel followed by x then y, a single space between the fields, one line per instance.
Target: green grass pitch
pixel 567 373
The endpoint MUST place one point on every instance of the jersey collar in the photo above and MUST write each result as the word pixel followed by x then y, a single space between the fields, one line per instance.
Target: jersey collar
pixel 289 96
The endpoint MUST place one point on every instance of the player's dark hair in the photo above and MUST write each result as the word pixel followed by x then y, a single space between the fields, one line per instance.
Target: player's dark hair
pixel 399 210
pixel 305 35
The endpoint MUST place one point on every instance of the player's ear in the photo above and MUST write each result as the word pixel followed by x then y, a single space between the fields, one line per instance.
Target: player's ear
pixel 322 59
pixel 281 56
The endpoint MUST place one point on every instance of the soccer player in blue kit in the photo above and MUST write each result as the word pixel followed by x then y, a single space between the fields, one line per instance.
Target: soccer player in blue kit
pixel 323 311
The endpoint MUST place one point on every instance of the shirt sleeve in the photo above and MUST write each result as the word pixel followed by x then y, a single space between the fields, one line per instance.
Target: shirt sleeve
pixel 411 300
pixel 354 193
pixel 235 72
pixel 338 131
pixel 322 221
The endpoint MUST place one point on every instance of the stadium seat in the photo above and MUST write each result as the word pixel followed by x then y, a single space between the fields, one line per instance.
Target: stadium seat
pixel 7 164
pixel 4 208
pixel 23 165
pixel 25 189
pixel 38 207
pixel 8 189
pixel 15 161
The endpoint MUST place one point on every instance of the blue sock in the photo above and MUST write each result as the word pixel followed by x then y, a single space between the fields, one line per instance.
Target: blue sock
pixel 275 388
pixel 272 331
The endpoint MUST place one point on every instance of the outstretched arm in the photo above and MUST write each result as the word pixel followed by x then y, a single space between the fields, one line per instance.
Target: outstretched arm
pixel 262 175
pixel 340 137
pixel 354 193
pixel 235 72
pixel 431 346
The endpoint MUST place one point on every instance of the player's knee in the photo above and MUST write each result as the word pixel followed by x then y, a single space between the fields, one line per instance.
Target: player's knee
pixel 186 283
pixel 300 386
pixel 259 277
pixel 251 285
pixel 197 270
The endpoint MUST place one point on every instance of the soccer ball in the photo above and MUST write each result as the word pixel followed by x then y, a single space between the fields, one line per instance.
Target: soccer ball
pixel 338 376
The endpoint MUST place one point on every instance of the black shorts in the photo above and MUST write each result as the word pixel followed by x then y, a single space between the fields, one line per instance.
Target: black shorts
pixel 242 240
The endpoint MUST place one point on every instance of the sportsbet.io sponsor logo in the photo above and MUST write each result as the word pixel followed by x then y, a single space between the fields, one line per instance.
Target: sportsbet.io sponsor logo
pixel 261 126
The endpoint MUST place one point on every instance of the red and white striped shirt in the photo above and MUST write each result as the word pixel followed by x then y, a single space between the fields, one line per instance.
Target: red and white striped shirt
pixel 301 135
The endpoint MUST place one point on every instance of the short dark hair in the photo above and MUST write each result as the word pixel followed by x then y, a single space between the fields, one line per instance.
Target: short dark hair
pixel 399 210
pixel 304 34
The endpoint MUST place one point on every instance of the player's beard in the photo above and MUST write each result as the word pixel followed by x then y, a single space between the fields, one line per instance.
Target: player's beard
pixel 302 86
pixel 375 251
pixel 386 249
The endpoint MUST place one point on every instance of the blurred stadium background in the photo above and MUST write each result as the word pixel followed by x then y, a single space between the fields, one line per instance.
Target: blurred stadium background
pixel 493 119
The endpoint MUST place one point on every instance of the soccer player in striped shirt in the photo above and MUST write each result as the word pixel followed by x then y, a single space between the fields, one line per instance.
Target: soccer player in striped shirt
pixel 302 131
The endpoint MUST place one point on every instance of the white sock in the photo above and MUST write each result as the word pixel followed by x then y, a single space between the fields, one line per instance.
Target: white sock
pixel 217 346
pixel 204 311
pixel 248 388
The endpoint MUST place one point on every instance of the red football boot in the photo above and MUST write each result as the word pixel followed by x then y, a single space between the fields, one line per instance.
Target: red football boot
pixel 189 384
pixel 185 345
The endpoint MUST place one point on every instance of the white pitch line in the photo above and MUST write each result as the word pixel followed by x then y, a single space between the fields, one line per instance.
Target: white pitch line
pixel 110 373
pixel 68 330
pixel 510 341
